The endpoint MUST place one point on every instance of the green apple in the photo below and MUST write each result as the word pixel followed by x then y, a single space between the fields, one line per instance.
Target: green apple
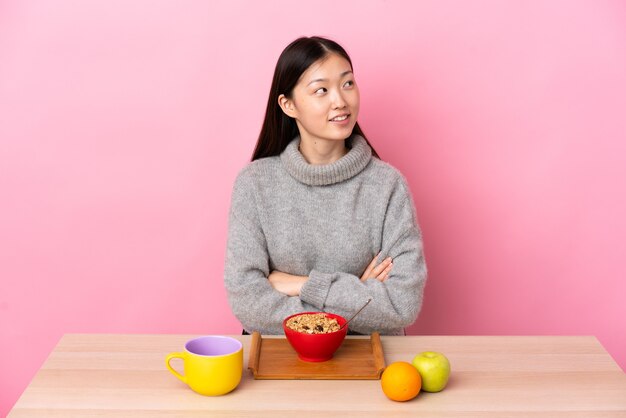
pixel 434 369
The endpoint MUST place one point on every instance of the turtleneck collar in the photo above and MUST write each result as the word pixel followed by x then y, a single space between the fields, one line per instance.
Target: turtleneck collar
pixel 344 168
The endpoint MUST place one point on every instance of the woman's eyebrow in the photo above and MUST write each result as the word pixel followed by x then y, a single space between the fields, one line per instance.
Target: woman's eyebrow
pixel 317 80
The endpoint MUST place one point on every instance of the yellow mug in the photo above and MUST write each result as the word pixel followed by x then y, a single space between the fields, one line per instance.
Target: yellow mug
pixel 213 364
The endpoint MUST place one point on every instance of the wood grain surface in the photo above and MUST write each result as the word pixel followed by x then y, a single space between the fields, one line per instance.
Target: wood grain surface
pixel 492 376
pixel 356 359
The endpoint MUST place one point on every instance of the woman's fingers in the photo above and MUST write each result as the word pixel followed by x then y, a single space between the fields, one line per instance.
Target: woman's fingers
pixel 285 283
pixel 378 272
pixel 385 273
pixel 383 268
pixel 368 271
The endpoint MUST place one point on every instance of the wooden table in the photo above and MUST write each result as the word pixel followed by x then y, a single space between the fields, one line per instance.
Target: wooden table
pixel 125 376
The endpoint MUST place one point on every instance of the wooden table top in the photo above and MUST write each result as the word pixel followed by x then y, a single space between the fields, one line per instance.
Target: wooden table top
pixel 492 376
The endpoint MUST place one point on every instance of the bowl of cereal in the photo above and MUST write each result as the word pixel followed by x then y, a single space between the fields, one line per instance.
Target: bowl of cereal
pixel 315 335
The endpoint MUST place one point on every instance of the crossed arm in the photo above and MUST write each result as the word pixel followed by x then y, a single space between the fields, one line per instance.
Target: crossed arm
pixel 290 284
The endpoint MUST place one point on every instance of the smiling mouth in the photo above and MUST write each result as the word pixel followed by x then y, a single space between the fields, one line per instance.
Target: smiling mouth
pixel 340 118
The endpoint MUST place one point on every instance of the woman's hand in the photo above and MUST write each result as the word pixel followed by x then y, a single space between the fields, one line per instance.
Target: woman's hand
pixel 285 283
pixel 378 272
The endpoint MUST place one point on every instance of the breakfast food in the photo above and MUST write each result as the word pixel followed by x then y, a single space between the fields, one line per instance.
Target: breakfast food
pixel 401 381
pixel 317 323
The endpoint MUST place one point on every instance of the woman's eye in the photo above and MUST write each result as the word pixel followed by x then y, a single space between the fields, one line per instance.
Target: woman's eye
pixel 349 83
pixel 321 90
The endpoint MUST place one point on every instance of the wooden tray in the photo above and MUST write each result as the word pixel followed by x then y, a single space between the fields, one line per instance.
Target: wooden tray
pixel 356 359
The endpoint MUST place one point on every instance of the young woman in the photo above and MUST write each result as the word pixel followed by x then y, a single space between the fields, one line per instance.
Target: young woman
pixel 318 222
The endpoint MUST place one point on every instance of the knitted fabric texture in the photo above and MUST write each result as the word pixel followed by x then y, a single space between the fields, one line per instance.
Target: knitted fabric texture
pixel 326 222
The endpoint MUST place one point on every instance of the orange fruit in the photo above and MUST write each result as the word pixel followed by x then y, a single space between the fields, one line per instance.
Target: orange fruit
pixel 401 381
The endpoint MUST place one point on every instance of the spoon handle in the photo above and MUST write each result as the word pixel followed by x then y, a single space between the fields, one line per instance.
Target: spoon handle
pixel 357 312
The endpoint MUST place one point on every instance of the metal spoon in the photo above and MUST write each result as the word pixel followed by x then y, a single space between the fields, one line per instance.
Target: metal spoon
pixel 357 312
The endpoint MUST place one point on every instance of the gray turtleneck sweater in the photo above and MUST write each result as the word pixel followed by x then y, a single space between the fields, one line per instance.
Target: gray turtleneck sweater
pixel 326 222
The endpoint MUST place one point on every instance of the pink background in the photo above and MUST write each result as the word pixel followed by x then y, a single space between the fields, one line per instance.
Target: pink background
pixel 123 125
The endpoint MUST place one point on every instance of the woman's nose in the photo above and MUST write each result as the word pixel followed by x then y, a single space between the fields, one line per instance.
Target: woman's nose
pixel 338 100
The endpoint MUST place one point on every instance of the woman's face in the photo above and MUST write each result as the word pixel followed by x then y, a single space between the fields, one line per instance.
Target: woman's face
pixel 325 102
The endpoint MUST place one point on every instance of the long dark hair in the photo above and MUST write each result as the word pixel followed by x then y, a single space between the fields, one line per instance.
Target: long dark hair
pixel 278 128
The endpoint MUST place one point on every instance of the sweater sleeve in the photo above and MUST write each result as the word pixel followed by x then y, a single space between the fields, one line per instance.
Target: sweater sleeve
pixel 257 305
pixel 396 302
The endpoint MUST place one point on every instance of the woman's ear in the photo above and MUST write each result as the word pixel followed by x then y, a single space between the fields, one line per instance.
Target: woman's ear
pixel 287 106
